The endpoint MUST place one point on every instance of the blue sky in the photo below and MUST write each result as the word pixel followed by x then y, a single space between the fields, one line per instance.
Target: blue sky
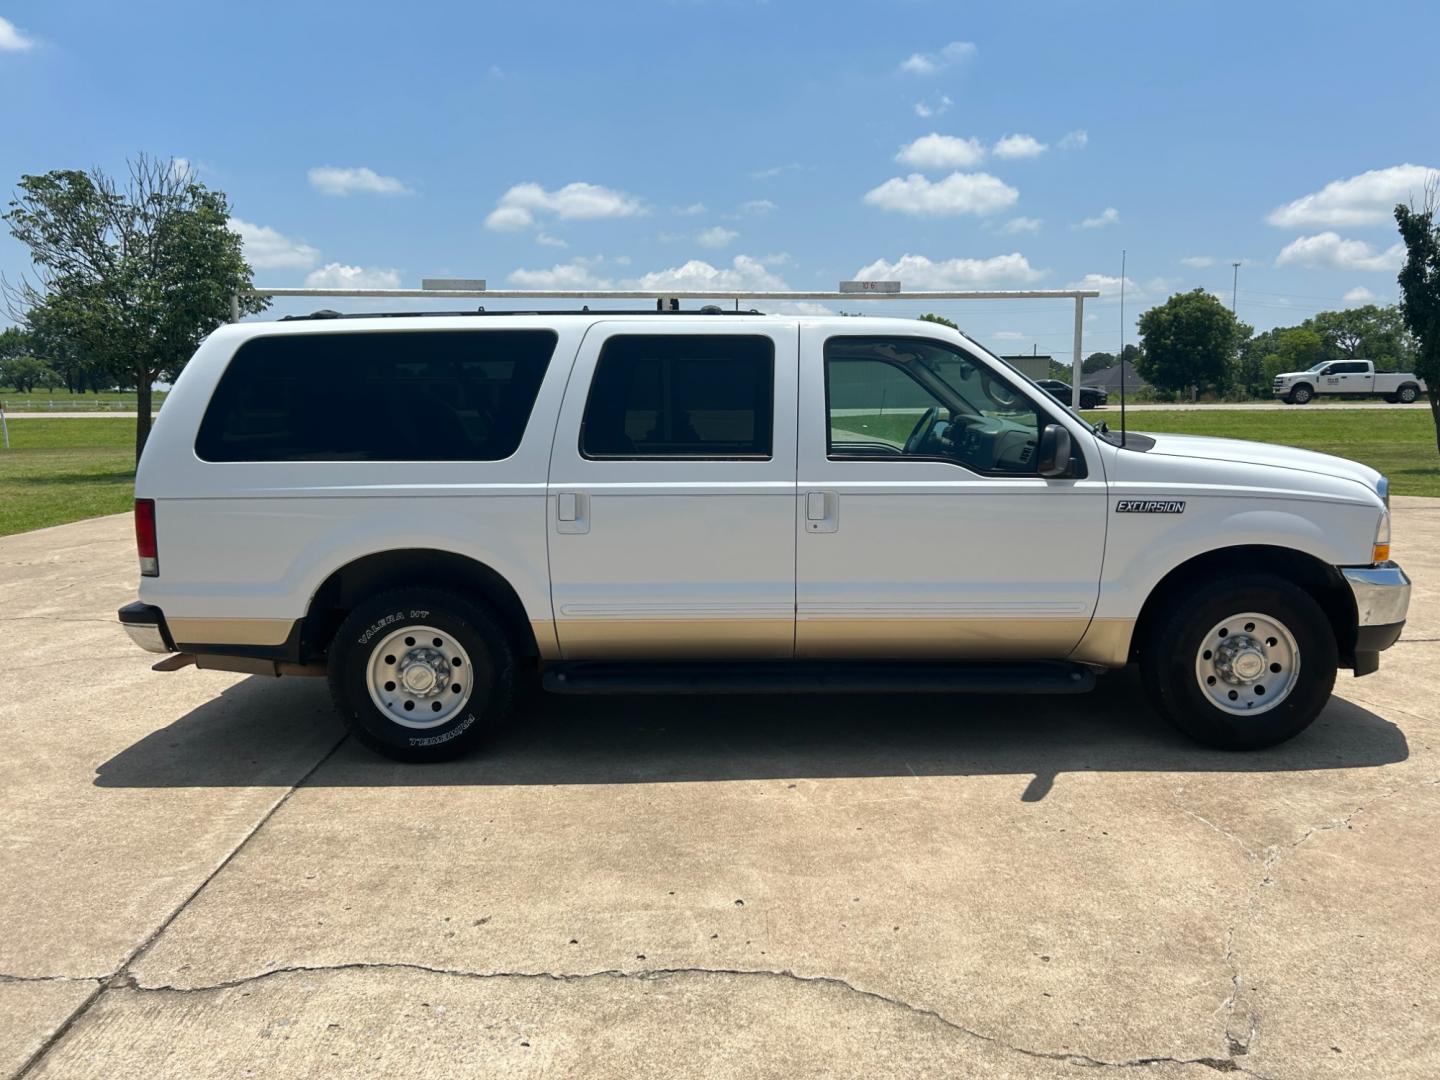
pixel 765 145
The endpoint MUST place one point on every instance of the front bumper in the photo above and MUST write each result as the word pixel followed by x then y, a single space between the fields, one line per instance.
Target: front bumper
pixel 1382 600
pixel 145 623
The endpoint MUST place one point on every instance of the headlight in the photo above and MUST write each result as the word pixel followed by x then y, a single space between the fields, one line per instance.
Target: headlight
pixel 1381 552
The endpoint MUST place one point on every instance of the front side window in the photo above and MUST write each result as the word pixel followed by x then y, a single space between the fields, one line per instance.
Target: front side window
pixel 424 395
pixel 681 396
pixel 911 398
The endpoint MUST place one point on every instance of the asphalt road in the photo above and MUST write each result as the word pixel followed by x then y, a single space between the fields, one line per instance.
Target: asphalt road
pixel 201 878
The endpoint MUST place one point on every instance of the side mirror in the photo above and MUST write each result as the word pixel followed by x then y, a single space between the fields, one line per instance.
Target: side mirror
pixel 1055 451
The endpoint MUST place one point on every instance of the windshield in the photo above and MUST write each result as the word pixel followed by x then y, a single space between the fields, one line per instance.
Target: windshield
pixel 1317 367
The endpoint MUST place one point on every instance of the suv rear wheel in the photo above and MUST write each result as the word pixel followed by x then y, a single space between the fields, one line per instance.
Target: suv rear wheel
pixel 420 674
pixel 1248 663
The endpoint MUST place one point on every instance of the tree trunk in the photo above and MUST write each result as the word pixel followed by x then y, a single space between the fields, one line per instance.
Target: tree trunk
pixel 142 419
pixel 1433 392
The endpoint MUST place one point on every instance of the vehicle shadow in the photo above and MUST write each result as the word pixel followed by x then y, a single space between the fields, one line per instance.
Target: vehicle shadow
pixel 234 740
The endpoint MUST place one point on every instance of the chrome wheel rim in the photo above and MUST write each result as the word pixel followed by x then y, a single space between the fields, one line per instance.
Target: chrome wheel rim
pixel 419 677
pixel 1247 664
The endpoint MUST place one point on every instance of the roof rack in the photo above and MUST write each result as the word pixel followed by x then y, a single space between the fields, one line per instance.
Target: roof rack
pixel 669 302
pixel 328 313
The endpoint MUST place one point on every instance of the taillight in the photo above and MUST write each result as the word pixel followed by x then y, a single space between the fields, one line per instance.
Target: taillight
pixel 145 542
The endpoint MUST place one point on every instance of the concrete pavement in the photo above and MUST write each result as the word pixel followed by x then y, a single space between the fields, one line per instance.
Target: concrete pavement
pixel 200 877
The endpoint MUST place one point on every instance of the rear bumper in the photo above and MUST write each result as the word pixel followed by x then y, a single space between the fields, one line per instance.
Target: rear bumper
pixel 145 623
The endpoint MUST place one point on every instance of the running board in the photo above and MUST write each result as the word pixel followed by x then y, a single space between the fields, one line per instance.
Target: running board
pixel 806 677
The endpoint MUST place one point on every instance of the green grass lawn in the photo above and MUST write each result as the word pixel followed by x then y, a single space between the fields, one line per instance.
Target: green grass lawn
pixel 64 470
pixel 1398 442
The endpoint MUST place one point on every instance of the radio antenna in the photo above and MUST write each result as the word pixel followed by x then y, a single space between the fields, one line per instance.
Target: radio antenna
pixel 1122 346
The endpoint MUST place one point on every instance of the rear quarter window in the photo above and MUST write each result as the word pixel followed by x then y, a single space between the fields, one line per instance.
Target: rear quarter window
pixel 422 395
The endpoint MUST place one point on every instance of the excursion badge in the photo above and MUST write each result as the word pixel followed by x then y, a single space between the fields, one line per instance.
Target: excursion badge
pixel 1150 506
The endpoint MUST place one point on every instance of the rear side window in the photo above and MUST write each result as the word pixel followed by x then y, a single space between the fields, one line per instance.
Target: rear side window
pixel 429 395
pixel 681 396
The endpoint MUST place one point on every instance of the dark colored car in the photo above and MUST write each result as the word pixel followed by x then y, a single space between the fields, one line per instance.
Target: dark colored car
pixel 1091 397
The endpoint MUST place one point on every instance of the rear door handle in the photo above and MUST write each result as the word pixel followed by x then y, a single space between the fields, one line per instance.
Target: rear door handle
pixel 572 512
pixel 822 511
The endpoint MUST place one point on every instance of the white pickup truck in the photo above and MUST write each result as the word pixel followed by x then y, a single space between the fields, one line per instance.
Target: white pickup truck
pixel 425 508
pixel 1346 377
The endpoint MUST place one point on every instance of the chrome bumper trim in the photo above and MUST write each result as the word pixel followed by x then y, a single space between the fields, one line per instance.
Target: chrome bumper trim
pixel 1382 593
pixel 147 636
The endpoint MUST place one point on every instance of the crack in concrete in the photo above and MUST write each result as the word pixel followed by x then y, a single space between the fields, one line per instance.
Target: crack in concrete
pixel 121 976
pixel 1220 1064
pixel 4 978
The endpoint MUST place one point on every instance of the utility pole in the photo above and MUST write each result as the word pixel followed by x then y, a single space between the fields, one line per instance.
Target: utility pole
pixel 1234 287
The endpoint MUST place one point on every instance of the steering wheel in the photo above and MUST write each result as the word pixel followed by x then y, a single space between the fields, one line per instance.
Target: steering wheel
pixel 921 431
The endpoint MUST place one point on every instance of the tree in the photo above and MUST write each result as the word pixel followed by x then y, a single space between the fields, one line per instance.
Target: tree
pixel 25 373
pixel 931 317
pixel 1420 290
pixel 1267 354
pixel 1098 361
pixel 1368 332
pixel 1190 340
pixel 133 277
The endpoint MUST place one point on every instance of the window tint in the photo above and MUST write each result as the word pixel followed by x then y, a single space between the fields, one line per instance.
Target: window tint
pixel 432 395
pixel 1350 368
pixel 898 398
pixel 681 396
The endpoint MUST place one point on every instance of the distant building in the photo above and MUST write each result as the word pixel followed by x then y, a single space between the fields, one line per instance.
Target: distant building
pixel 1109 379
pixel 1035 367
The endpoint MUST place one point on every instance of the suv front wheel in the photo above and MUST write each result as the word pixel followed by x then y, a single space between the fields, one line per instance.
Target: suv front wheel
pixel 421 675
pixel 1247 663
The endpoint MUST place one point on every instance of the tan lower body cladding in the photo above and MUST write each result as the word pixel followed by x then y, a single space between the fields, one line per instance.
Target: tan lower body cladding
pixel 259 632
pixel 1105 641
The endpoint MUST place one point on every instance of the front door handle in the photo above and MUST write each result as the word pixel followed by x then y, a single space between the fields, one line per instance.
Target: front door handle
pixel 822 511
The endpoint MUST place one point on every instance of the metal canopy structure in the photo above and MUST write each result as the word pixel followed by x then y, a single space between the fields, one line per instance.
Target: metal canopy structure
pixel 892 293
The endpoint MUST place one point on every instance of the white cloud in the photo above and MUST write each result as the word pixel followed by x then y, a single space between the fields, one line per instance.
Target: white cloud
pixel 1019 146
pixel 1074 140
pixel 266 249
pixel 1022 225
pixel 12 39
pixel 691 210
pixel 756 207
pixel 925 110
pixel 1108 216
pixel 339 276
pixel 717 236
pixel 776 170
pixel 334 180
pixel 1359 295
pixel 930 63
pixel 1366 199
pixel 958 193
pixel 745 273
pixel 181 170
pixel 920 272
pixel 1331 251
pixel 550 241
pixel 935 151
pixel 1007 335
pixel 1108 286
pixel 578 201
pixel 1198 262
pixel 797 307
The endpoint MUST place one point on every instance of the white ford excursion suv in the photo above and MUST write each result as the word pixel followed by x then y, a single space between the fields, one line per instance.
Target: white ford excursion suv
pixel 425 507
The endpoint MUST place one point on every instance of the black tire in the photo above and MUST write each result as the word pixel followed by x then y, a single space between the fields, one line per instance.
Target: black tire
pixel 1301 395
pixel 1408 394
pixel 1168 661
pixel 483 706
